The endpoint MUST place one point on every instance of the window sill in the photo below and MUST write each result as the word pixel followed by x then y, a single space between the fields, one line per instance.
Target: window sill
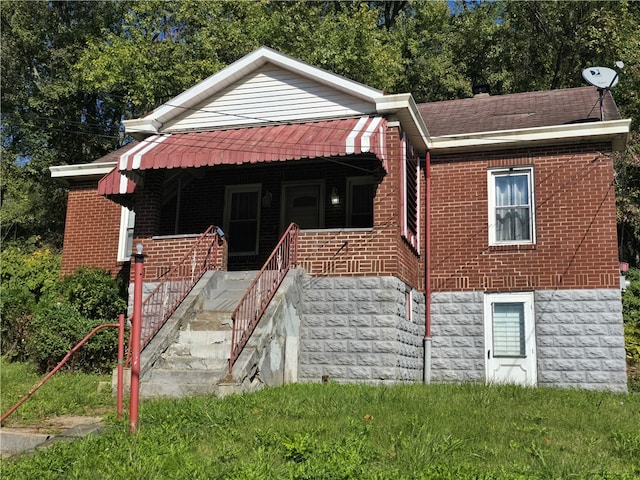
pixel 516 247
pixel 171 237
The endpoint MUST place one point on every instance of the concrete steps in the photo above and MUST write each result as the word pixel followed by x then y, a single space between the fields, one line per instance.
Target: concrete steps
pixel 196 362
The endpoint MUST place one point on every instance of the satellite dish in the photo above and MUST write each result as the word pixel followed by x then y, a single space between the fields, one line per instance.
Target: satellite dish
pixel 601 77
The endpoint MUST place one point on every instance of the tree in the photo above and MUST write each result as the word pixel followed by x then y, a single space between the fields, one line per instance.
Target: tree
pixel 47 118
pixel 72 70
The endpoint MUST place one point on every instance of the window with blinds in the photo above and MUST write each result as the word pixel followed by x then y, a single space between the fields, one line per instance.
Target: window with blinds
pixel 508 330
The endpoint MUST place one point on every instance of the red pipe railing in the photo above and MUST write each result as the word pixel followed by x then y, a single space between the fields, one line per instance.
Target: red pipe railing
pixel 177 283
pixel 119 325
pixel 255 301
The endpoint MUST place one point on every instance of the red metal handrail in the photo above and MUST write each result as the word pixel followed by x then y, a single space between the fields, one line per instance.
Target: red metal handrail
pixel 119 325
pixel 255 301
pixel 177 283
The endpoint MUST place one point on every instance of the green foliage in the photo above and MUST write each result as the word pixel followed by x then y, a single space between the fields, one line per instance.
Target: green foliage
pixel 79 303
pixel 28 274
pixel 631 314
pixel 64 394
pixel 93 293
pixel 43 317
pixel 56 328
pixel 37 269
pixel 335 431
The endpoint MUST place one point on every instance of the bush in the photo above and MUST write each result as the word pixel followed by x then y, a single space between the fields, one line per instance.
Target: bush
pixel 93 293
pixel 28 274
pixel 79 303
pixel 631 314
pixel 44 317
pixel 57 327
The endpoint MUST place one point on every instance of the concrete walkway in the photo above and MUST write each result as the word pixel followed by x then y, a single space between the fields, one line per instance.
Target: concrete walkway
pixel 24 439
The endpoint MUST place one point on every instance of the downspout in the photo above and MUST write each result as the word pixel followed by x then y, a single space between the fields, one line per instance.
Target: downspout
pixel 427 273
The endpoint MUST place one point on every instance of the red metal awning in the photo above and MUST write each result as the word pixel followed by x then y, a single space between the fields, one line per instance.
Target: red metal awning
pixel 258 144
pixel 115 183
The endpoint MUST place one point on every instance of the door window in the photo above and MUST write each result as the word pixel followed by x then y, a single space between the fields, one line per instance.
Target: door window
pixel 242 222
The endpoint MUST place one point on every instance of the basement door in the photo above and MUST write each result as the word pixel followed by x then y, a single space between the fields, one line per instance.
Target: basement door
pixel 510 342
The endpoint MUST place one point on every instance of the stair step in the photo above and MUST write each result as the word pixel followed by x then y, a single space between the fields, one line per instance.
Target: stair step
pixel 188 362
pixel 204 337
pixel 186 376
pixel 176 390
pixel 197 362
pixel 211 320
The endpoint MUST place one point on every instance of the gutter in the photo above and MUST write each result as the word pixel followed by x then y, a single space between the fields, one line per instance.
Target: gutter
pixel 616 131
pixel 427 273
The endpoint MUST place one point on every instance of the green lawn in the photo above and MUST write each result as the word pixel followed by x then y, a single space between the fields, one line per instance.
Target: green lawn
pixel 313 431
pixel 63 394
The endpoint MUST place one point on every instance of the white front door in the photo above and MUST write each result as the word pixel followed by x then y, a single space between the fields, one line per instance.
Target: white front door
pixel 510 343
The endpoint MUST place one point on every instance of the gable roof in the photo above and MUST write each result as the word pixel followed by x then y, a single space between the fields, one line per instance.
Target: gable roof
pixel 245 67
pixel 268 87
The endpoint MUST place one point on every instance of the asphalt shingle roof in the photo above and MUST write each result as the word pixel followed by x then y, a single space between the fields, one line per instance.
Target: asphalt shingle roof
pixel 514 111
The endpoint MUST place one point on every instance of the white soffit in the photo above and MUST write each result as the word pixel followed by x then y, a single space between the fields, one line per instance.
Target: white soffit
pixel 616 131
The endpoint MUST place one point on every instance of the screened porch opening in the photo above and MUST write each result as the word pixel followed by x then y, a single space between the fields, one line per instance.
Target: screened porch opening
pixel 253 204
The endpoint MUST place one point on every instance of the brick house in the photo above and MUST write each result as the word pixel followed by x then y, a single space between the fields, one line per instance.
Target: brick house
pixel 470 240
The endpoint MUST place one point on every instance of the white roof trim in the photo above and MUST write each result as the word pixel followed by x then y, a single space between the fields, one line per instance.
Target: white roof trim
pixel 615 131
pixel 153 122
pixel 82 170
pixel 404 107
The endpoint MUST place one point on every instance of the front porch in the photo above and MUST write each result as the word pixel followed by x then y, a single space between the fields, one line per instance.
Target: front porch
pixel 352 222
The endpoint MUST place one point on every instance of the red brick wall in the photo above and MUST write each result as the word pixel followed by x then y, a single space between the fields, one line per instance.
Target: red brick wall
pixel 164 253
pixel 576 243
pixel 94 220
pixel 382 250
pixel 91 230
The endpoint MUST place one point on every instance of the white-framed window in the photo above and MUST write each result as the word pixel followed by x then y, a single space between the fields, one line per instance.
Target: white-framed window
pixel 408 297
pixel 125 239
pixel 360 193
pixel 303 203
pixel 242 218
pixel 511 206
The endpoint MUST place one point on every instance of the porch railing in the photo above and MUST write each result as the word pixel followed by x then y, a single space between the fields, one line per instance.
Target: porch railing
pixel 255 301
pixel 175 285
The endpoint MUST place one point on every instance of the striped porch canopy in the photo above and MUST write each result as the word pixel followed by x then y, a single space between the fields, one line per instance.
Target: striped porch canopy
pixel 239 146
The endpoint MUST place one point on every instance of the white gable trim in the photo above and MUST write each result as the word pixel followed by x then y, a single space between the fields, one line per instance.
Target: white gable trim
pixel 403 106
pixel 153 122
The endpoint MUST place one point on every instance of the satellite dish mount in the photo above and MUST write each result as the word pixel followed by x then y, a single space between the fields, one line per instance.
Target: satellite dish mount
pixel 604 79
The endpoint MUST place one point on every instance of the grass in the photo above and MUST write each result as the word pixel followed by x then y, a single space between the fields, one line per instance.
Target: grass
pixel 63 394
pixel 313 431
